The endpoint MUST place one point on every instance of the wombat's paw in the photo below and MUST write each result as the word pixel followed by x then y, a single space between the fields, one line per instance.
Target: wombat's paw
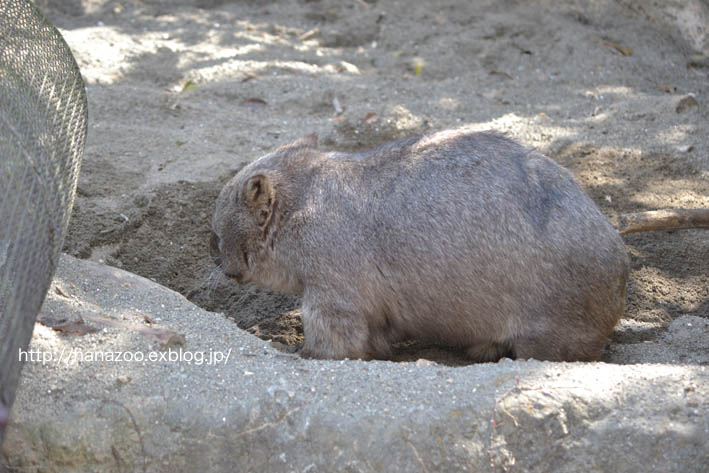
pixel 310 354
pixel 323 353
pixel 486 352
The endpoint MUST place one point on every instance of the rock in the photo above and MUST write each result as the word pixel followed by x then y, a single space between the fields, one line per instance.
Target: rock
pixel 685 103
pixel 425 362
pixel 253 408
pixel 699 61
pixel 123 379
pixel 349 67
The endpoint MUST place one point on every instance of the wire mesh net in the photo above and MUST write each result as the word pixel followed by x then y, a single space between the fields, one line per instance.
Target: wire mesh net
pixel 43 118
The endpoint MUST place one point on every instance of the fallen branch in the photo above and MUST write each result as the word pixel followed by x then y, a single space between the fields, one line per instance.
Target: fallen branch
pixel 165 337
pixel 663 220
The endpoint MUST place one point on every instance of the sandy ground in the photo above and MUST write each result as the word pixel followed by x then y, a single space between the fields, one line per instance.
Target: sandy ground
pixel 183 93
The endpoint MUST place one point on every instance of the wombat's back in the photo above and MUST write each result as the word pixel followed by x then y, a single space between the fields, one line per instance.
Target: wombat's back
pixel 468 239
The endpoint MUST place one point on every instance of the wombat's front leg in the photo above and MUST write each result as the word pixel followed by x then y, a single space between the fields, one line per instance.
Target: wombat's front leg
pixel 332 332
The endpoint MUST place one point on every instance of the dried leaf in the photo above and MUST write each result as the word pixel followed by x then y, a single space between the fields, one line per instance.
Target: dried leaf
pixel 309 34
pixel 337 119
pixel 417 65
pixel 501 74
pixel 370 118
pixel 254 102
pixel 60 292
pixel 189 85
pixel 623 51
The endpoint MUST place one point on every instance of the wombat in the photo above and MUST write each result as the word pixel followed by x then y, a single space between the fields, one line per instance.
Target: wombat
pixel 460 238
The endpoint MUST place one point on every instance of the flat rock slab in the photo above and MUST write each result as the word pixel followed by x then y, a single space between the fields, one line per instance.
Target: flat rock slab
pixel 214 398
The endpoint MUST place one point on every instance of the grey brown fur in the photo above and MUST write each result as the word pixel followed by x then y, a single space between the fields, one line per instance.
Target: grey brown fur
pixel 461 238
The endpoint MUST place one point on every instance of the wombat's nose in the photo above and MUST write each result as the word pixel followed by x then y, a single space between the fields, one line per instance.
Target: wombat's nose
pixel 214 250
pixel 238 277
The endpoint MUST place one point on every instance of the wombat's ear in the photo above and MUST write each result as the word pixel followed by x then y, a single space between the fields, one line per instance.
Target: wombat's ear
pixel 260 197
pixel 308 142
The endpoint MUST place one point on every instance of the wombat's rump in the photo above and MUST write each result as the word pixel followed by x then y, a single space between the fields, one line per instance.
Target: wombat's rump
pixel 461 238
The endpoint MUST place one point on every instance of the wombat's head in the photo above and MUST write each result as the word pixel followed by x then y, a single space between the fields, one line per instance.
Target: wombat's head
pixel 247 214
pixel 241 220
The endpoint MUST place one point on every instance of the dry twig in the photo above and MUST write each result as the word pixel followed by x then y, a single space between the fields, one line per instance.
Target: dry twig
pixel 663 220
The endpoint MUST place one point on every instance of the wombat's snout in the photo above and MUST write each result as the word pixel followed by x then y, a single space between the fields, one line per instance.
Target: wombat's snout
pixel 214 252
pixel 238 276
